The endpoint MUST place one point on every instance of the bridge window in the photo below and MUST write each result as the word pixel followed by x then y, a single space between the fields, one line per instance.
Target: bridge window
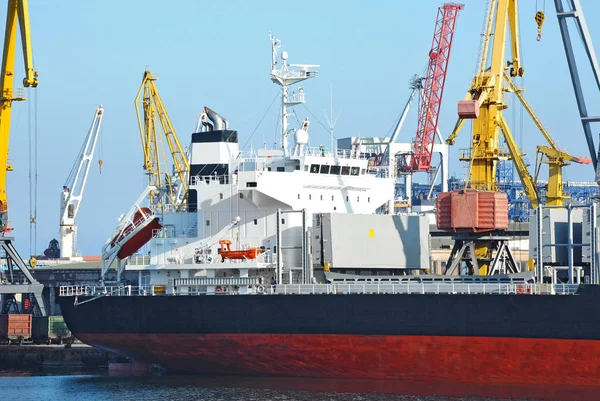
pixel 314 168
pixel 325 169
pixel 355 170
pixel 281 169
pixel 346 170
pixel 335 170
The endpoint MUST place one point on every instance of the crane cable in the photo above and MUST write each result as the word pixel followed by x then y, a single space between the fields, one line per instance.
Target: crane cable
pixel 33 171
pixel 100 159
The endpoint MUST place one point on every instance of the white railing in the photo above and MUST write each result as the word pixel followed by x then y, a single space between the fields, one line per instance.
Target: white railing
pixel 209 179
pixel 309 289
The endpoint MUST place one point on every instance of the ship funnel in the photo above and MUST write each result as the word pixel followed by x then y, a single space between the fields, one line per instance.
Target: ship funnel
pixel 219 122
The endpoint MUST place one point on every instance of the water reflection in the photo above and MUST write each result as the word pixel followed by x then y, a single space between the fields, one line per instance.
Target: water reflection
pixel 90 384
pixel 371 389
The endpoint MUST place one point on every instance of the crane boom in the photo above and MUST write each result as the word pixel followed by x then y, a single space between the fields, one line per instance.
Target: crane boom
pixel 433 86
pixel 155 159
pixel 17 13
pixel 72 191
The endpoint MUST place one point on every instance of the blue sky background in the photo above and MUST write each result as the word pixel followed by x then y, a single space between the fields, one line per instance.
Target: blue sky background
pixel 218 54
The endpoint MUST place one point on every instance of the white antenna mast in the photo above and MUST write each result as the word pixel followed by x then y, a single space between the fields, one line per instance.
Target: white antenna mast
pixel 285 77
pixel 330 120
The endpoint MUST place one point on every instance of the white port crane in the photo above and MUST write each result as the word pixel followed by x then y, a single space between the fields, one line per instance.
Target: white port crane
pixel 72 191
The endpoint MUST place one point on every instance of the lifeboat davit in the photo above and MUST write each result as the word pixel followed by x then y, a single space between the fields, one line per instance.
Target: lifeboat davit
pixel 144 227
pixel 227 253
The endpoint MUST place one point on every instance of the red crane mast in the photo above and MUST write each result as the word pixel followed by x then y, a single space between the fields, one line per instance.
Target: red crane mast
pixel 433 86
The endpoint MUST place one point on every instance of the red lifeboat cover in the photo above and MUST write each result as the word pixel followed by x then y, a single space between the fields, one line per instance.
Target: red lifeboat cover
pixel 146 230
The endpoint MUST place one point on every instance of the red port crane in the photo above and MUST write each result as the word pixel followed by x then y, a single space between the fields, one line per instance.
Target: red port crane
pixel 433 86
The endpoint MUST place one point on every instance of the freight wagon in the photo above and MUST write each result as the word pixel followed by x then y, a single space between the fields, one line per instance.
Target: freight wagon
pixel 50 329
pixel 15 328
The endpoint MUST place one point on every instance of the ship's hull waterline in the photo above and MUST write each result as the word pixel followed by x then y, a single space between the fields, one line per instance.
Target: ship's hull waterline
pixel 519 338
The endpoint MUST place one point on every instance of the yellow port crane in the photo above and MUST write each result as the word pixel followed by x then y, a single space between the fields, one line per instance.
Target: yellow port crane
pixel 30 289
pixel 17 14
pixel 484 103
pixel 152 118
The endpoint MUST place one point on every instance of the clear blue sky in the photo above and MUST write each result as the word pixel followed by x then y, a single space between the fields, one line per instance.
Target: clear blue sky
pixel 218 54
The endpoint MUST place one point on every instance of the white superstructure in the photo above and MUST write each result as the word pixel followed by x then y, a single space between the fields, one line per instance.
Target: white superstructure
pixel 262 199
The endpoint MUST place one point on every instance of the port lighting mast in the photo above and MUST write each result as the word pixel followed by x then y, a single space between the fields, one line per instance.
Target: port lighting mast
pixel 433 86
pixel 17 14
pixel 72 191
pixel 152 117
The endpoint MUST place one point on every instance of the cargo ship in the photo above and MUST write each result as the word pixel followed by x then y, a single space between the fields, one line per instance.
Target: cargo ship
pixel 286 262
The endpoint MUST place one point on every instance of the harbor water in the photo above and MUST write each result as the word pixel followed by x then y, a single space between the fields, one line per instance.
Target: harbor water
pixel 97 385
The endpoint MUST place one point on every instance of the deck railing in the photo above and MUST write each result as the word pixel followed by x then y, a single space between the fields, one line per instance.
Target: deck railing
pixel 354 288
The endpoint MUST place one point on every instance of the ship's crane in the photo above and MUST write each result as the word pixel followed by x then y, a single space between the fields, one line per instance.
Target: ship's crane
pixel 17 14
pixel 153 117
pixel 72 191
pixel 433 86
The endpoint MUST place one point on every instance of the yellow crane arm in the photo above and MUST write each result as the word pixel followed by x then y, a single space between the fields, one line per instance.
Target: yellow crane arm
pixel 559 155
pixel 155 156
pixel 17 14
pixel 526 178
pixel 23 15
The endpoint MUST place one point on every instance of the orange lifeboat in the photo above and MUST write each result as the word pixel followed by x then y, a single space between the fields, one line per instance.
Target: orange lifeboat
pixel 143 227
pixel 227 253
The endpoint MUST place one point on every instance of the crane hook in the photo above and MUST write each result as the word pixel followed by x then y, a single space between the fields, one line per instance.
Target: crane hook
pixel 539 19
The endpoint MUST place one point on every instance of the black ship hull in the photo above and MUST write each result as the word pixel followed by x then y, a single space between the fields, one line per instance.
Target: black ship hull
pixel 518 338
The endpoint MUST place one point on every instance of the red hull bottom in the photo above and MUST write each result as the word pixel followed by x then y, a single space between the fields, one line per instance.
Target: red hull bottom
pixel 485 360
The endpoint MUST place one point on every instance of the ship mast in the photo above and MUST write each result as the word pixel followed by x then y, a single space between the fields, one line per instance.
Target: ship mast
pixel 285 77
